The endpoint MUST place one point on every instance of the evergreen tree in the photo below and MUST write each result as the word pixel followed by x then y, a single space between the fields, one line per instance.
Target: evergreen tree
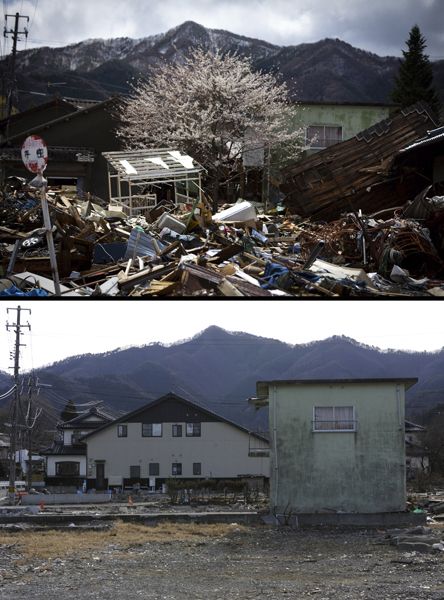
pixel 414 81
pixel 69 412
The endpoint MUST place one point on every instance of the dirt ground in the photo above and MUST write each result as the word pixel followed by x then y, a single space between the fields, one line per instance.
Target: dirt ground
pixel 214 562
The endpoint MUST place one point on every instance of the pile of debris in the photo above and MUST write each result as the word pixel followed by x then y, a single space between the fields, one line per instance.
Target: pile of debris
pixel 418 539
pixel 242 251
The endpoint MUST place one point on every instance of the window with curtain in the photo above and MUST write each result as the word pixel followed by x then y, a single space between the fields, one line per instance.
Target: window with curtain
pixel 151 429
pixel 322 136
pixel 122 430
pixel 176 469
pixel 334 418
pixel 193 429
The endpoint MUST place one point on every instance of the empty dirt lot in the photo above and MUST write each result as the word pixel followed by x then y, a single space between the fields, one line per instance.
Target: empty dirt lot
pixel 213 562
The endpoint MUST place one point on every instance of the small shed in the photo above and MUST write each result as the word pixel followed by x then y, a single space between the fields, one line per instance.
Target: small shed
pixel 137 179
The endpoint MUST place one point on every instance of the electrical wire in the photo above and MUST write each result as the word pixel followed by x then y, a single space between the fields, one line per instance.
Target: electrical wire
pixel 8 393
pixel 33 16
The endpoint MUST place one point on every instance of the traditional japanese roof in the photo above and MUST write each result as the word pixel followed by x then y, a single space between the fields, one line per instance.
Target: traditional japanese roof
pixel 58 448
pixel 81 421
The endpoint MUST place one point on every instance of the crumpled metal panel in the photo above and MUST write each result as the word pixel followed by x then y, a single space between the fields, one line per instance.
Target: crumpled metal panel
pixel 142 244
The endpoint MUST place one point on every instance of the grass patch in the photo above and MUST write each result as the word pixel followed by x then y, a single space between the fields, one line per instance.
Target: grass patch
pixel 56 544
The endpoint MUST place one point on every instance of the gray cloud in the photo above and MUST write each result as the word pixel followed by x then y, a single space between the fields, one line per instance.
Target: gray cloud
pixel 379 26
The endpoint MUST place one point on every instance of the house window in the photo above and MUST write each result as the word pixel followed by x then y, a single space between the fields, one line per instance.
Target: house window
pixel 177 430
pixel 153 469
pixel 152 429
pixel 176 469
pixel 71 469
pixel 197 468
pixel 322 136
pixel 122 430
pixel 135 472
pixel 193 429
pixel 75 437
pixel 334 418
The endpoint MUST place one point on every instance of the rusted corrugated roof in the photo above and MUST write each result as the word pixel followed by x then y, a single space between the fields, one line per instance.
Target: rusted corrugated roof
pixel 356 174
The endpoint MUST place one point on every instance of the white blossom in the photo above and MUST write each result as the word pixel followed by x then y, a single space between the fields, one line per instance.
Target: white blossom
pixel 212 106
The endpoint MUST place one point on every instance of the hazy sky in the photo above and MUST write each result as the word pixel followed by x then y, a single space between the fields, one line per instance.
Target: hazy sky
pixel 380 26
pixel 60 329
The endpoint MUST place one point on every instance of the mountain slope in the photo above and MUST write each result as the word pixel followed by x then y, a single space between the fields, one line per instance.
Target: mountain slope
pixel 326 71
pixel 220 369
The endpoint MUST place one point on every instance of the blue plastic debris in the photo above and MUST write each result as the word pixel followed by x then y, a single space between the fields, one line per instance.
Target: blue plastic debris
pixel 14 291
pixel 272 273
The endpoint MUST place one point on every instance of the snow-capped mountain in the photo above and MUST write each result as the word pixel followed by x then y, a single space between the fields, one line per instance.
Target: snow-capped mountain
pixel 328 70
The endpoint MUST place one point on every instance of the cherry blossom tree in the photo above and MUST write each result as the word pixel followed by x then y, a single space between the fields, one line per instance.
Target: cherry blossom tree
pixel 215 108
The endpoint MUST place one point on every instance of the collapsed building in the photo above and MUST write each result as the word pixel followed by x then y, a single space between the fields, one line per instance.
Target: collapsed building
pixel 362 218
pixel 360 174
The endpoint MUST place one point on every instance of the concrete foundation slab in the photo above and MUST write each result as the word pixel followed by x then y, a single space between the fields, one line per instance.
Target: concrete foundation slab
pixel 385 520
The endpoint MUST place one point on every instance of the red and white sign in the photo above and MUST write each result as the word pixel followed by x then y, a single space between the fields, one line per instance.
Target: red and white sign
pixel 35 154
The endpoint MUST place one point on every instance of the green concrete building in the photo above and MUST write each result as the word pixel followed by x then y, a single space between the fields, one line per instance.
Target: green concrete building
pixel 337 446
pixel 328 124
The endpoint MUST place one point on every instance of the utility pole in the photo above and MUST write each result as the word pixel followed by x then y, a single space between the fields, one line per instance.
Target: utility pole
pixel 30 422
pixel 15 38
pixel 13 441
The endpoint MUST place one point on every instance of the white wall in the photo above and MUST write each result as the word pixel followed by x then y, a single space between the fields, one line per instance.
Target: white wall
pixel 52 460
pixel 222 451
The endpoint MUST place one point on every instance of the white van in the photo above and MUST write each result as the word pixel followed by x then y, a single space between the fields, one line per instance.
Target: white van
pixel 20 486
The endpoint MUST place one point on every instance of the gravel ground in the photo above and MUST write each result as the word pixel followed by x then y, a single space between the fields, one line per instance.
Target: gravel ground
pixel 244 563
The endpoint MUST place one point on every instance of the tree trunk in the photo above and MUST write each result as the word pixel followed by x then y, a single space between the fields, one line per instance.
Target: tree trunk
pixel 215 194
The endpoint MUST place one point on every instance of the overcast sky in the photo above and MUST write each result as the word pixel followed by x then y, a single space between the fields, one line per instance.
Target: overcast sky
pixel 60 329
pixel 380 26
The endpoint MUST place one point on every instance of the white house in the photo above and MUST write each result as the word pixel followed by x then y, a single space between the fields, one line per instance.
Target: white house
pixel 66 457
pixel 172 438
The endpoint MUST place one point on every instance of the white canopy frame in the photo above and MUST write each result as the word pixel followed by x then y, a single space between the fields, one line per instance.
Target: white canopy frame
pixel 130 173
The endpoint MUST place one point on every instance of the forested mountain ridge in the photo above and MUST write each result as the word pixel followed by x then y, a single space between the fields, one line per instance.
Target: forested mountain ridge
pixel 219 369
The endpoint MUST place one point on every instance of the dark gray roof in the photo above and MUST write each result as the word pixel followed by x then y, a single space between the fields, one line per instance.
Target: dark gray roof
pixel 170 395
pixel 80 421
pixel 59 449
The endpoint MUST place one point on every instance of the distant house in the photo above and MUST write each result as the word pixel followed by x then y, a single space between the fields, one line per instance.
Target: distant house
pixel 66 457
pixel 27 120
pixel 336 445
pixel 327 123
pixel 417 456
pixel 172 438
pixel 22 464
pixel 75 138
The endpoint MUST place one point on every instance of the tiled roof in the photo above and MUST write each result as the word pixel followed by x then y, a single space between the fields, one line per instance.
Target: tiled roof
pixel 59 449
